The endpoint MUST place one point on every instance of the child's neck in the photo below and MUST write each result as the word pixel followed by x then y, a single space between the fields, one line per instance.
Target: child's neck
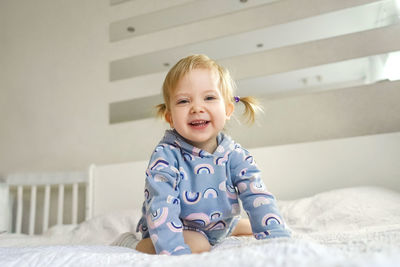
pixel 209 146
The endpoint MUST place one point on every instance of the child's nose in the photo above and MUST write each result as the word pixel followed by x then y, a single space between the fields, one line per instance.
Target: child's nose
pixel 197 108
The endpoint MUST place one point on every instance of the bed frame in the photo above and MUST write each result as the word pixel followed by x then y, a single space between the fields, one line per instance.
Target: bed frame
pixel 289 171
pixel 16 186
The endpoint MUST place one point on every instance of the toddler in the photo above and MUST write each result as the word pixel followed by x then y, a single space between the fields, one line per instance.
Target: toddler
pixel 196 173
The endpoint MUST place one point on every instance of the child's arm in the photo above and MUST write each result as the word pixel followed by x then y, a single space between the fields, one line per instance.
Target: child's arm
pixel 163 206
pixel 260 205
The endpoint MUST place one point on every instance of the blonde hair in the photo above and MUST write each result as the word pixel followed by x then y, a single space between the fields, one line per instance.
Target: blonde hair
pixel 226 83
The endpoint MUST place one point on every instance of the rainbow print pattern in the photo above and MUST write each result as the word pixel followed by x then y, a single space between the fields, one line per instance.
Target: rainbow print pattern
pixel 158 164
pixel 188 188
pixel 210 193
pixel 204 169
pixel 191 198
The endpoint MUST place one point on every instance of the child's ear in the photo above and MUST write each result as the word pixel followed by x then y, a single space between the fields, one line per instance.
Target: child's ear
pixel 168 118
pixel 229 110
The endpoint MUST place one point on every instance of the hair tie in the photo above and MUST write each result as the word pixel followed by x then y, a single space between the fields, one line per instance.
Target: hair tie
pixel 237 99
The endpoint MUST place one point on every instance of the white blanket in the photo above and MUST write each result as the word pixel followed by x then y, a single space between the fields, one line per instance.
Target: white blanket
pixel 347 227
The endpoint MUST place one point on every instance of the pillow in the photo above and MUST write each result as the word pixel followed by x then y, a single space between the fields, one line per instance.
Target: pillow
pixel 104 229
pixel 343 210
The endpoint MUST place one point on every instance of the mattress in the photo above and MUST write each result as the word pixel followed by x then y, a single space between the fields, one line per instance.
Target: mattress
pixel 345 227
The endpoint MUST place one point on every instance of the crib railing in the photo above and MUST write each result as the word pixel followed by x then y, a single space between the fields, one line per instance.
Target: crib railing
pixel 20 182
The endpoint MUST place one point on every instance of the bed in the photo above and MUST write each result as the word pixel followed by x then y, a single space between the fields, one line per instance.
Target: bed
pixel 336 223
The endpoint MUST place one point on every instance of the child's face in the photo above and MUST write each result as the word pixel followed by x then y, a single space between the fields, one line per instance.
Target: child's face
pixel 198 111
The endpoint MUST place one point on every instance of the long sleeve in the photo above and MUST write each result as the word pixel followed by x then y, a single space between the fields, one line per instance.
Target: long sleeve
pixel 162 205
pixel 260 205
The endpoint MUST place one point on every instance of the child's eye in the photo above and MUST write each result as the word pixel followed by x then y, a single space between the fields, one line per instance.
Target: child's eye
pixel 211 98
pixel 182 101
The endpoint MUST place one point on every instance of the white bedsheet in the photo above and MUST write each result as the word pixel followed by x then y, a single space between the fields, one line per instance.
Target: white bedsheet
pixel 347 227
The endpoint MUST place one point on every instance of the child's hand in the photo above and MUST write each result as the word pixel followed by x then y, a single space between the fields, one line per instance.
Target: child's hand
pixel 274 233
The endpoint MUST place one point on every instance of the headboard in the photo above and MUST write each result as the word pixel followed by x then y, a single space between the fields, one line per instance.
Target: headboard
pixel 32 202
pixel 289 171
pixel 116 186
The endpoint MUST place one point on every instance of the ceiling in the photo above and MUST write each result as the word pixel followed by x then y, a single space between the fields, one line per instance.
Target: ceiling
pixel 272 47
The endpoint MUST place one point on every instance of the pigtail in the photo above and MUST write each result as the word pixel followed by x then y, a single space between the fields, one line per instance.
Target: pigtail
pixel 161 110
pixel 251 107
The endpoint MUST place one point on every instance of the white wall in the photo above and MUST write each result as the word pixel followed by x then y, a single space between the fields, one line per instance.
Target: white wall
pixel 54 88
pixel 54 96
pixel 54 76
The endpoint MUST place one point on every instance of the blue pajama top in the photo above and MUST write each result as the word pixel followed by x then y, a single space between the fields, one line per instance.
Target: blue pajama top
pixel 189 188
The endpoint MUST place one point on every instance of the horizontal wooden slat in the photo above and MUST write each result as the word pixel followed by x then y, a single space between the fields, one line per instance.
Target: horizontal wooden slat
pixel 249 19
pixel 177 15
pixel 350 46
pixel 127 8
pixel 282 60
pixel 315 28
pixel 46 178
pixel 143 108
pixel 125 89
pixel 309 117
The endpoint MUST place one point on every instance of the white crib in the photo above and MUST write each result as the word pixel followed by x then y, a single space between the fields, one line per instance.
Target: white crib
pixel 17 187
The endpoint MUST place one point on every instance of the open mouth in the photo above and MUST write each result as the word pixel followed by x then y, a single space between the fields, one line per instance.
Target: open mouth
pixel 199 124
